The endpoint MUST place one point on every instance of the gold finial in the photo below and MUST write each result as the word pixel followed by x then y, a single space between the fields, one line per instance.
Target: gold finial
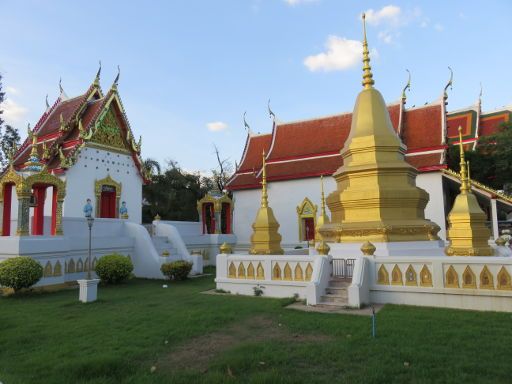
pixel 368 248
pixel 62 123
pixel 469 176
pixel 157 217
pixel 264 195
pixel 46 151
pixel 500 241
pixel 464 186
pixel 367 69
pixel 323 248
pixel 225 248
pixel 33 152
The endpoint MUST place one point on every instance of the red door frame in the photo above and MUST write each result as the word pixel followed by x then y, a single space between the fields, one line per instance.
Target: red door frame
pixel 309 228
pixel 108 204
pixel 6 215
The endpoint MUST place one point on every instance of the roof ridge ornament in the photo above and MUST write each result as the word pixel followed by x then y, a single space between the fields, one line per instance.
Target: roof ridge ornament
pixel 448 85
pixel 367 69
pixel 407 87
pixel 271 114
pixel 97 78
pixel 47 103
pixel 116 80
pixel 249 131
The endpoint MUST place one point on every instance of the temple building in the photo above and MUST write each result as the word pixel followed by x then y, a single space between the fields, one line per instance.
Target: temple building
pixel 300 152
pixel 84 148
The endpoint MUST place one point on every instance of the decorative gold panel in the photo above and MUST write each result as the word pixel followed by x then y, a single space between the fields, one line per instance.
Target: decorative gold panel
pixel 425 277
pixel 299 275
pixel 57 270
pixel 241 271
pixel 410 276
pixel 250 271
pixel 309 272
pixel 260 272
pixel 383 275
pixel 452 279
pixel 232 271
pixel 276 272
pixel 504 280
pixel 486 279
pixel 287 272
pixel 468 278
pixel 107 131
pixel 396 276
pixel 71 266
pixel 48 270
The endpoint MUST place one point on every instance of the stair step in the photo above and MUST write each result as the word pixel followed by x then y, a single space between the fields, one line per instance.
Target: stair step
pixel 337 291
pixel 332 305
pixel 334 299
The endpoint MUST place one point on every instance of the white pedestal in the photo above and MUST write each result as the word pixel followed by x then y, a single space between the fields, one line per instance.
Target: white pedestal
pixel 88 290
pixel 398 248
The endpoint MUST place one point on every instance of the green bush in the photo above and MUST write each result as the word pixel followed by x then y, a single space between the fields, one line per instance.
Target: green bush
pixel 113 269
pixel 20 272
pixel 177 270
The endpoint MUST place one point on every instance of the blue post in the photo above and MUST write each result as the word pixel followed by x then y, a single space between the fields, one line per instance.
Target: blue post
pixel 373 323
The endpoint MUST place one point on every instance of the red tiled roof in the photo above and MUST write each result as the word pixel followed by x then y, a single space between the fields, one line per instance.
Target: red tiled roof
pixel 489 124
pixel 254 147
pixel 426 162
pixel 423 127
pixel 304 168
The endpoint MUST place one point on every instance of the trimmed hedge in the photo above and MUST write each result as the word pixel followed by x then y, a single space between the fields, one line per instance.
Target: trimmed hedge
pixel 176 270
pixel 114 268
pixel 20 272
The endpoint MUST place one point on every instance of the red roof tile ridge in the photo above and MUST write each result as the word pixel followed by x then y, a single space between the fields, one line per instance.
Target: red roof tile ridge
pixel 469 108
pixel 505 108
pixel 431 104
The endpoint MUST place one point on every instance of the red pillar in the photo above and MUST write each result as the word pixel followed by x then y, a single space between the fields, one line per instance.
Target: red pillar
pixel 38 223
pixel 212 221
pixel 6 219
pixel 203 216
pixel 54 212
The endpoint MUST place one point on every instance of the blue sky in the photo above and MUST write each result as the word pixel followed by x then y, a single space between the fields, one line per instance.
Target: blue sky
pixel 187 64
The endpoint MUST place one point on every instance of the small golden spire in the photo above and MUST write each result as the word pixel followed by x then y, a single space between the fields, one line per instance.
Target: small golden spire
pixel 264 195
pixel 367 69
pixel 33 152
pixel 464 185
pixel 323 195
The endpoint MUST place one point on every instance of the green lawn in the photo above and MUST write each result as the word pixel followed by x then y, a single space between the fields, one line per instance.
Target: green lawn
pixel 190 337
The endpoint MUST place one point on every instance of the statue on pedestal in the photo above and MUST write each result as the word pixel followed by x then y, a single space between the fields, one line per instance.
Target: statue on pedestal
pixel 123 211
pixel 88 208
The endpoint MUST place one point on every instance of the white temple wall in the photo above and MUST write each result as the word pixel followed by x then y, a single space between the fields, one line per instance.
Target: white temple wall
pixel 432 182
pixel 95 164
pixel 283 197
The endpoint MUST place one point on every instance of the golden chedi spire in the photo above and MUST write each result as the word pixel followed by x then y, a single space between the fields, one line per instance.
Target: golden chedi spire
pixel 265 239
pixel 467 232
pixel 376 198
pixel 323 218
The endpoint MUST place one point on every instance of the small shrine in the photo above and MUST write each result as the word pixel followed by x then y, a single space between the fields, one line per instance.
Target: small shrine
pixel 216 212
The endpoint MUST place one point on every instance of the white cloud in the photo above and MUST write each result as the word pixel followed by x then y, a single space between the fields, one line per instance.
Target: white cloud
pixel 297 2
pixel 13 112
pixel 11 90
pixel 438 27
pixel 217 126
pixel 386 37
pixel 389 15
pixel 341 54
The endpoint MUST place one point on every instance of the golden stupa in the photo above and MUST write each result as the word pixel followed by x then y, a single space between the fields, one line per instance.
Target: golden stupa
pixel 265 239
pixel 376 198
pixel 467 232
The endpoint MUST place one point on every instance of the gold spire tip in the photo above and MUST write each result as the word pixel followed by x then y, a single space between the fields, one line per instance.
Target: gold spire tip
pixel 367 69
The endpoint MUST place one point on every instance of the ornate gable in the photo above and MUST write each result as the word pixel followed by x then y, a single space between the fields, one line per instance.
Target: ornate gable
pixel 108 132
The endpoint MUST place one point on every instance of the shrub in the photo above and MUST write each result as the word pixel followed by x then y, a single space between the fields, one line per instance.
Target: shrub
pixel 113 269
pixel 177 270
pixel 20 272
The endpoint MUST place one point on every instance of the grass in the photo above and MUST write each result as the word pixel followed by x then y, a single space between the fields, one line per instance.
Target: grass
pixel 190 337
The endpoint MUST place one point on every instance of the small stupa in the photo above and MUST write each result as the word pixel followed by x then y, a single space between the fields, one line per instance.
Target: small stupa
pixel 265 239
pixel 323 218
pixel 467 232
pixel 376 198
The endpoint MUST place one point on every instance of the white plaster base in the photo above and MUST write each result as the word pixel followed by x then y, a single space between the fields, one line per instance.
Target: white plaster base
pixel 398 248
pixel 88 290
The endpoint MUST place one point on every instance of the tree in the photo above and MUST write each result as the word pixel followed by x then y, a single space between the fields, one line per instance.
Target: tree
pixel 491 161
pixel 222 173
pixel 11 138
pixel 173 194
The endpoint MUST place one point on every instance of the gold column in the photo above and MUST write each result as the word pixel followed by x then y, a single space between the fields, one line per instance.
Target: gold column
pixel 376 198
pixel 58 219
pixel 467 232
pixel 23 214
pixel 265 239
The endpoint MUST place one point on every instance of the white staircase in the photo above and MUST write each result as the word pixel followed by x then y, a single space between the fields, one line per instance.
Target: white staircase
pixel 162 244
pixel 336 293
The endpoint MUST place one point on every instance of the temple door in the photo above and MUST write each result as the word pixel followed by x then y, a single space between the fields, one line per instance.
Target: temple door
pixel 309 228
pixel 108 204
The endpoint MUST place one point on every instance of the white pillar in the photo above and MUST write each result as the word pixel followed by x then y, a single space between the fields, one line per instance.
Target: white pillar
pixel 494 219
